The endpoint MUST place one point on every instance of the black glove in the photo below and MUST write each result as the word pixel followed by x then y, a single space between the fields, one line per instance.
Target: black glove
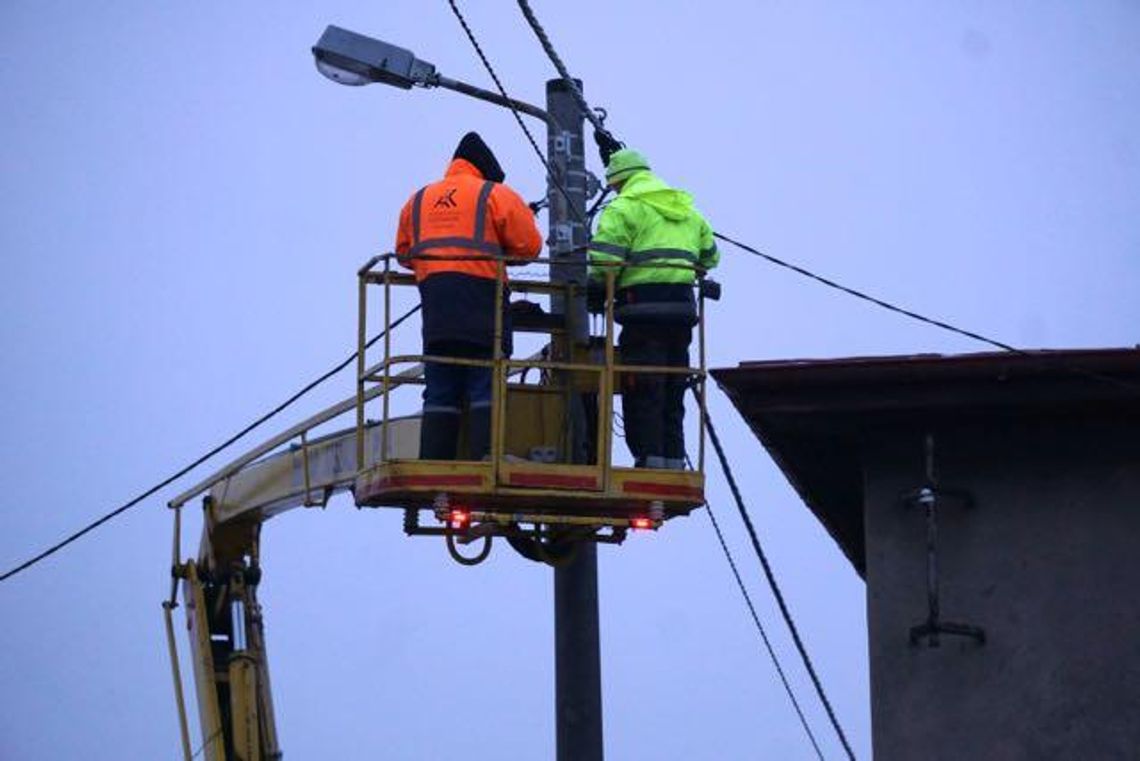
pixel 608 145
pixel 595 296
pixel 710 289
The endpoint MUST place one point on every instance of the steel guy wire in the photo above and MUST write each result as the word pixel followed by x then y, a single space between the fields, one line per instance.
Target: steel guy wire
pixel 563 72
pixel 775 587
pixel 264 418
pixel 518 117
pixel 759 626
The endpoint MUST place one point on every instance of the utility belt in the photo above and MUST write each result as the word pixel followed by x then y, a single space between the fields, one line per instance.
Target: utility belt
pixel 656 304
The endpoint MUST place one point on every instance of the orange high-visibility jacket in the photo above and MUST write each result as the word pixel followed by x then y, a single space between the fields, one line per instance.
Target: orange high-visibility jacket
pixel 464 215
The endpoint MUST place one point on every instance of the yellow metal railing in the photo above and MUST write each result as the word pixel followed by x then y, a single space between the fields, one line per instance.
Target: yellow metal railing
pixel 381 372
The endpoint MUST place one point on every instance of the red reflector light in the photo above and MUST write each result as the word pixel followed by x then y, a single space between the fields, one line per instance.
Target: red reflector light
pixel 642 523
pixel 459 518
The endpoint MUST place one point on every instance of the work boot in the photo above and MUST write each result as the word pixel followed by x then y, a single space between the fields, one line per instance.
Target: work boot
pixel 479 432
pixel 439 435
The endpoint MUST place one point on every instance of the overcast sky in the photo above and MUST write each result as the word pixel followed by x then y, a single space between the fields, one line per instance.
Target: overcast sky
pixel 184 203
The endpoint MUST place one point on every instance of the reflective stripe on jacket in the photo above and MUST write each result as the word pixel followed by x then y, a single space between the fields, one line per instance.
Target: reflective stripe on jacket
pixel 655 227
pixel 657 239
pixel 462 216
pixel 448 222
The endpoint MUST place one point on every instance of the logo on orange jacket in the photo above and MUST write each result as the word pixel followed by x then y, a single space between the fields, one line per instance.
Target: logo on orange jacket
pixel 447 200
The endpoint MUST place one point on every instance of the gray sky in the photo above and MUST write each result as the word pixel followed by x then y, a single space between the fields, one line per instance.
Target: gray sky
pixel 184 202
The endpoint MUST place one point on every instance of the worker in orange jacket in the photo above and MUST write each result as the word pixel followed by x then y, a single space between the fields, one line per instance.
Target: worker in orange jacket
pixel 469 213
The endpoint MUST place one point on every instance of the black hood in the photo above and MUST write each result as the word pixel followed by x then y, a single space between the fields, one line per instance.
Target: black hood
pixel 473 149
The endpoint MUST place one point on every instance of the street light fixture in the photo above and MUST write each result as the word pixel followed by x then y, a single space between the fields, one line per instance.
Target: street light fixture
pixel 353 59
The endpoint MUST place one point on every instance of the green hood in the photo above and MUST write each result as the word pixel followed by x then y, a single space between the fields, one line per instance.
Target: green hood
pixel 669 202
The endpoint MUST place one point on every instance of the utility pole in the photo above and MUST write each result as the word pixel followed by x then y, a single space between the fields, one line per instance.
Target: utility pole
pixel 354 59
pixel 577 651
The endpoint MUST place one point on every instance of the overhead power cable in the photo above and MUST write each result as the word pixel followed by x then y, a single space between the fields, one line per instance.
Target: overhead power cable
pixel 563 72
pixel 510 104
pixel 127 506
pixel 922 318
pixel 760 627
pixel 548 46
pixel 860 295
pixel 774 586
pixel 552 54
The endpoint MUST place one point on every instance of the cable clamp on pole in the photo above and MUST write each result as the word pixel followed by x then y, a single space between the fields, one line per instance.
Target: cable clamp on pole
pixel 562 143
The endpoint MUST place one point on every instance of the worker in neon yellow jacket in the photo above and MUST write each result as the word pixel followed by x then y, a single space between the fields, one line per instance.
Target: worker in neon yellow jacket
pixel 658 242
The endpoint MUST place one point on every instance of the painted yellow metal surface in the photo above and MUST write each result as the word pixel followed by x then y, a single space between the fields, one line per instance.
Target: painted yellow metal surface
pixel 530 487
pixel 209 714
pixel 243 707
pixel 538 488
pixel 529 429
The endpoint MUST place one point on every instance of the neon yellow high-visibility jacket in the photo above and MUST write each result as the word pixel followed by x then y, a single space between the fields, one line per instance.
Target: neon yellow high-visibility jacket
pixel 657 239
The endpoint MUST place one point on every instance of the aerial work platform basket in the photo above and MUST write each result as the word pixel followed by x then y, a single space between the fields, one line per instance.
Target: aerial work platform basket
pixel 550 472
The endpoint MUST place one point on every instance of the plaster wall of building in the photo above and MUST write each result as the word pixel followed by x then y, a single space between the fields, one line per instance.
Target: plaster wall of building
pixel 1047 562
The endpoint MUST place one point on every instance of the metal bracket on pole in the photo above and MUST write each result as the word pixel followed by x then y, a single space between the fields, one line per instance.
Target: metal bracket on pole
pixel 593 185
pixel 563 235
pixel 928 497
pixel 563 143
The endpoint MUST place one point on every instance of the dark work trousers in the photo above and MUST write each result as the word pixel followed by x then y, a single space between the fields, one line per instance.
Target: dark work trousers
pixel 446 388
pixel 653 405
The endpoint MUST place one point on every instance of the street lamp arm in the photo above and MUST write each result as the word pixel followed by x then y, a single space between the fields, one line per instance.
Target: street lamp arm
pixel 438 80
